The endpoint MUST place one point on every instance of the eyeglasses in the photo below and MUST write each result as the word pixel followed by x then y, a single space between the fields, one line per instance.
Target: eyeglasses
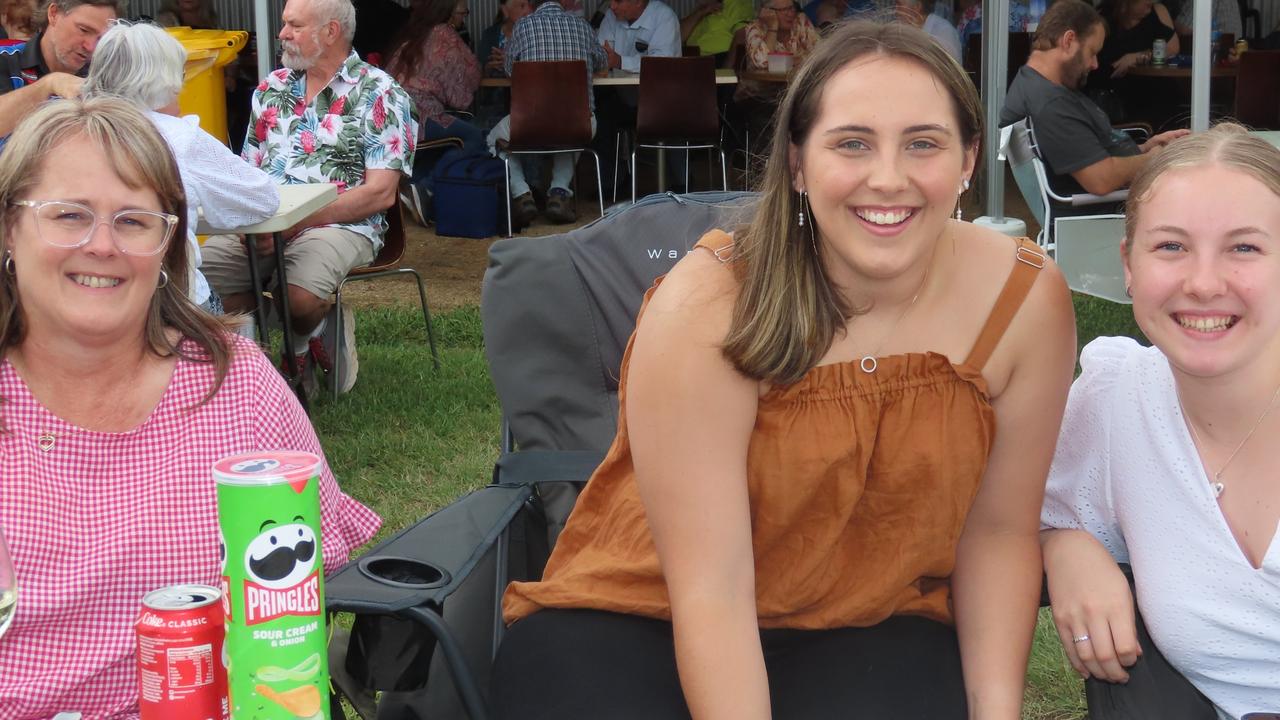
pixel 70 225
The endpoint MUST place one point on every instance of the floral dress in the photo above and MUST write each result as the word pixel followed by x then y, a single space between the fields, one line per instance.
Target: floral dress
pixel 446 76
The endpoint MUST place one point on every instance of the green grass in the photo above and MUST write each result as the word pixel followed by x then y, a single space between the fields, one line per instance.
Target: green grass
pixel 410 439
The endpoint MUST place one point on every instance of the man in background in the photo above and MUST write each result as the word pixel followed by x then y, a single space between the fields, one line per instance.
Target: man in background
pixel 1082 150
pixel 53 63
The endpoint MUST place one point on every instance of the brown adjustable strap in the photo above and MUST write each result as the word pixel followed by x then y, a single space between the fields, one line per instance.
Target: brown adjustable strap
pixel 1029 260
pixel 719 242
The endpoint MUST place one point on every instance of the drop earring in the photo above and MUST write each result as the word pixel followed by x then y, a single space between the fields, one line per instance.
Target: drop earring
pixel 964 185
pixel 804 198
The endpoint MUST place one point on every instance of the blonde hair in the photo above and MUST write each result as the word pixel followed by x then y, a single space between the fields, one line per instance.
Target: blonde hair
pixel 1226 144
pixel 141 158
pixel 787 312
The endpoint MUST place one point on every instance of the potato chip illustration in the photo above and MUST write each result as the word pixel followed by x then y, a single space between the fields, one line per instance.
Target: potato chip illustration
pixel 303 701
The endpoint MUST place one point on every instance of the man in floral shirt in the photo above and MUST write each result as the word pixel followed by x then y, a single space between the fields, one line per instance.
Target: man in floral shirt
pixel 327 116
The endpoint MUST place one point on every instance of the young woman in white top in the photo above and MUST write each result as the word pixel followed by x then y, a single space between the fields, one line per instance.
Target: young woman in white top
pixel 1168 457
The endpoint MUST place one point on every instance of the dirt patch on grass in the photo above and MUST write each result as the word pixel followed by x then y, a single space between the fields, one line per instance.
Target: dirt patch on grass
pixel 452 268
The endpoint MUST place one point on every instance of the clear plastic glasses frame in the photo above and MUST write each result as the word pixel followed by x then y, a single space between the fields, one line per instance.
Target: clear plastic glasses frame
pixel 69 225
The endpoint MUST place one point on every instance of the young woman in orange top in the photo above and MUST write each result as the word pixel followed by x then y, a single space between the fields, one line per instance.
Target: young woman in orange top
pixel 823 498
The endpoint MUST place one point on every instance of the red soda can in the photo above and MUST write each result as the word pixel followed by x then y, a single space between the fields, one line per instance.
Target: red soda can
pixel 181 675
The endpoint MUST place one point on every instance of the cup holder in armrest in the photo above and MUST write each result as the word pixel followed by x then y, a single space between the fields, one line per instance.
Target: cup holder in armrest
pixel 403 572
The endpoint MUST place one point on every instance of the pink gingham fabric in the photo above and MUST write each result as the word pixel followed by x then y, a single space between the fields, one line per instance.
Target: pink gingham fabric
pixel 100 519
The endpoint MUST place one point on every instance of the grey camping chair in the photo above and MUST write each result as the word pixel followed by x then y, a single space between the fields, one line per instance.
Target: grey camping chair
pixel 1085 247
pixel 557 316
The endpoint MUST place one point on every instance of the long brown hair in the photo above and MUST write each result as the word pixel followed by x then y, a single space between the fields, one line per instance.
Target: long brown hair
pixel 787 313
pixel 141 158
pixel 412 39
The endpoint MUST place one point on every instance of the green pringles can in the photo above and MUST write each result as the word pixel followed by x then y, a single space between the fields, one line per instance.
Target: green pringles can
pixel 273 586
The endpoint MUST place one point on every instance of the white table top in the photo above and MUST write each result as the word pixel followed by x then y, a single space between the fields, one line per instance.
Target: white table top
pixel 296 203
pixel 724 76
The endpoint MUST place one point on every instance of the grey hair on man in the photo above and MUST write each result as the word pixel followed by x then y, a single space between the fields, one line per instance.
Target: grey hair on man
pixel 340 11
pixel 138 62
pixel 41 18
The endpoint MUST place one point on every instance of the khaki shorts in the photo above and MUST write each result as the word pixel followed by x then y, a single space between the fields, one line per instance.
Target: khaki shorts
pixel 316 261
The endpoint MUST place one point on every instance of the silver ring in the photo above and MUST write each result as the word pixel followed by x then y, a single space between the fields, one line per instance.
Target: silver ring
pixel 1080 639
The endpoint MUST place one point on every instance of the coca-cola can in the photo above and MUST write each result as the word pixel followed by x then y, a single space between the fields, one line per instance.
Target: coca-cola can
pixel 180 662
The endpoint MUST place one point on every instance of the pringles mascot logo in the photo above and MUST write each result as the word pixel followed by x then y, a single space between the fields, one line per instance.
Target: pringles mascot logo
pixel 282 575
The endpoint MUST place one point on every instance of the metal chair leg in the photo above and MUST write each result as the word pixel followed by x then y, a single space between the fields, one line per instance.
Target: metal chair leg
pixel 506 168
pixel 633 176
pixel 426 316
pixel 337 356
pixel 617 146
pixel 422 299
pixel 599 180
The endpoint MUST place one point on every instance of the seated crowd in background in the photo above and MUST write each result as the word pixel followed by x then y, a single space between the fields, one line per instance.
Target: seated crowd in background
pixel 1082 150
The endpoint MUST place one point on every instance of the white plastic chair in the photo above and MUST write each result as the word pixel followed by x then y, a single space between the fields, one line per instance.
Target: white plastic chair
pixel 1085 247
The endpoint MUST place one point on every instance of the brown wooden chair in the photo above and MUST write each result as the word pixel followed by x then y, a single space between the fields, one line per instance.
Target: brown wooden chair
pixel 550 113
pixel 1258 89
pixel 677 109
pixel 385 264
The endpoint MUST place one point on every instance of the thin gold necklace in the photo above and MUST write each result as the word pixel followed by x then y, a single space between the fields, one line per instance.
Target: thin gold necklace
pixel 868 363
pixel 1218 486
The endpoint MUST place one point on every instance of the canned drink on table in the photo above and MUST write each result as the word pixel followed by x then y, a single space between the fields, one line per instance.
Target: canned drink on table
pixel 1157 52
pixel 180 670
pixel 273 580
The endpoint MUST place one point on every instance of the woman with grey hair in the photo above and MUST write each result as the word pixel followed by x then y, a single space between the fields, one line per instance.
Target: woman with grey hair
pixel 145 65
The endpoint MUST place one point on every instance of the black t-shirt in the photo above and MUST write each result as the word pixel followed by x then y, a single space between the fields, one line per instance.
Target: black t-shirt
pixel 1072 132
pixel 1119 43
pixel 23 67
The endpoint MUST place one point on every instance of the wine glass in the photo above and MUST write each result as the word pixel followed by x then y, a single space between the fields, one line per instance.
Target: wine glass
pixel 8 587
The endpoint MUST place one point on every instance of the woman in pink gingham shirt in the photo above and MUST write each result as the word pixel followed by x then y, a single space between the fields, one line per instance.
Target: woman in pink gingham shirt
pixel 116 397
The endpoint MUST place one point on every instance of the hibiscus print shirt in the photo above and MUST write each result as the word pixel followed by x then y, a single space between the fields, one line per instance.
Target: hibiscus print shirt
pixel 362 120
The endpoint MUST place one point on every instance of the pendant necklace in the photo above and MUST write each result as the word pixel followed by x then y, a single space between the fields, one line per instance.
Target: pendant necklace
pixel 868 363
pixel 1218 486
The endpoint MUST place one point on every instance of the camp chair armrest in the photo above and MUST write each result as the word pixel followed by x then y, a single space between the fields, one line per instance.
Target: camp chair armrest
pixel 452 540
pixel 532 467
pixel 1081 199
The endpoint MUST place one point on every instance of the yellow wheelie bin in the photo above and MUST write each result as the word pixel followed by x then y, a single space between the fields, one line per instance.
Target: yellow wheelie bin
pixel 204 91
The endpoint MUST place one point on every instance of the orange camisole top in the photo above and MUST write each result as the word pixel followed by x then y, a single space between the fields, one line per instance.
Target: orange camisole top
pixel 859 485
